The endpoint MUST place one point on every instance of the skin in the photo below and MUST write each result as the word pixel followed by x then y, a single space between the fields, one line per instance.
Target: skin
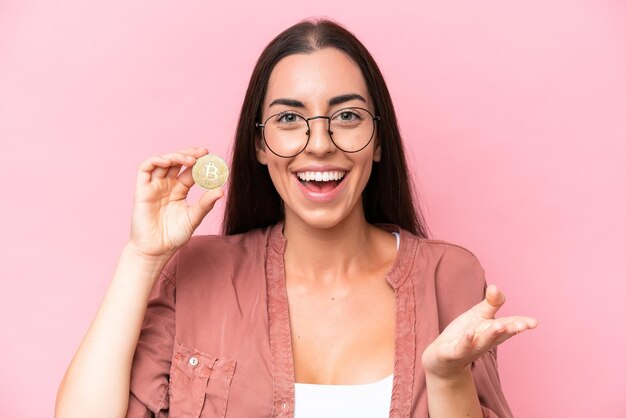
pixel 96 383
pixel 335 261
pixel 341 309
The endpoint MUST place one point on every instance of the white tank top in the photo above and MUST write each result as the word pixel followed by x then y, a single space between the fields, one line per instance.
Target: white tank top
pixel 369 400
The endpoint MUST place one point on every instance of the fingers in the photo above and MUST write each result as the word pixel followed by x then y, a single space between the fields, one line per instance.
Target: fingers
pixel 496 333
pixel 494 299
pixel 168 165
pixel 147 167
pixel 177 161
pixel 199 210
pixel 186 178
pixel 190 155
pixel 465 345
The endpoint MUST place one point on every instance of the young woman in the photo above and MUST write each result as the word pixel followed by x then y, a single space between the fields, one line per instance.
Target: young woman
pixel 324 298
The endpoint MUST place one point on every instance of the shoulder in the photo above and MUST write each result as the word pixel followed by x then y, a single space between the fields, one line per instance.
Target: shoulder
pixel 448 274
pixel 214 245
pixel 447 255
pixel 432 251
pixel 441 259
pixel 455 276
pixel 451 265
pixel 217 253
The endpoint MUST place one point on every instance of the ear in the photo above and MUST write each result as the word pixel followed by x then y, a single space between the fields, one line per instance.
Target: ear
pixel 261 152
pixel 377 151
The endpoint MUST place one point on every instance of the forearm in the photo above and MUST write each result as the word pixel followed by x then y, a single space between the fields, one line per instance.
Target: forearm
pixel 98 378
pixel 452 397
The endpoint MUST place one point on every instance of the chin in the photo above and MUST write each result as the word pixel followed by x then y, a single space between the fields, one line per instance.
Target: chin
pixel 321 223
pixel 323 218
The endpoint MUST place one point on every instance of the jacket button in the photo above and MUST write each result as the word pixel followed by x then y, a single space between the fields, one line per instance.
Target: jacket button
pixel 285 407
pixel 193 361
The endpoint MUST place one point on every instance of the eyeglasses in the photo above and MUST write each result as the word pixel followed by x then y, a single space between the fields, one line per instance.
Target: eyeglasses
pixel 287 133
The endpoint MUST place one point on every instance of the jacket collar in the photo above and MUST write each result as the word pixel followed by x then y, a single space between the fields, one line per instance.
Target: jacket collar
pixel 400 268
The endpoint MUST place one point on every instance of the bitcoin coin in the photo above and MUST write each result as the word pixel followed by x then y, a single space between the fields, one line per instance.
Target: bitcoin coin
pixel 210 171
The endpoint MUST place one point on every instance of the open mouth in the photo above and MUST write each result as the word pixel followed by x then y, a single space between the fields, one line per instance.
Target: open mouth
pixel 320 181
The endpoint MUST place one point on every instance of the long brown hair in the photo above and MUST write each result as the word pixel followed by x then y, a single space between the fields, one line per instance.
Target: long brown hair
pixel 253 201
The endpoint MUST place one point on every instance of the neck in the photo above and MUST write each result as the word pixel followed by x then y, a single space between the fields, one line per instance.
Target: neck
pixel 334 255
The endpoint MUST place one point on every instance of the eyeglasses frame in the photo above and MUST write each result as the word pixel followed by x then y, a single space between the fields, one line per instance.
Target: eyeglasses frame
pixel 308 131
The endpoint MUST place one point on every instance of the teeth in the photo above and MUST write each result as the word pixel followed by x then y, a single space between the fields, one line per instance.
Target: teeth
pixel 320 175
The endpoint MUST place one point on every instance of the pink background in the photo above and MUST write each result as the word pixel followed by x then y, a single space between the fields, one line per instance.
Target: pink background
pixel 513 115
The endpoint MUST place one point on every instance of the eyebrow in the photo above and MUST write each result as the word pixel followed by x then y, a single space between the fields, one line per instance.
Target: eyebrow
pixel 332 102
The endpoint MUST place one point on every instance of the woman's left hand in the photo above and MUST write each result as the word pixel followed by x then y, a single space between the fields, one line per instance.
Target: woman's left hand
pixel 470 335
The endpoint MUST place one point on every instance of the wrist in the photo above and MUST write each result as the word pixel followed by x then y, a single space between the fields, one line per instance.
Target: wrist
pixel 144 260
pixel 453 395
pixel 451 379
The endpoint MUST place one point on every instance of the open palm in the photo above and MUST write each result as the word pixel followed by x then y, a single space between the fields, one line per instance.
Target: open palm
pixel 471 334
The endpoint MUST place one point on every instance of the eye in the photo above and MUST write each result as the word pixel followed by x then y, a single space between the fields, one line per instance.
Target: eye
pixel 348 116
pixel 287 118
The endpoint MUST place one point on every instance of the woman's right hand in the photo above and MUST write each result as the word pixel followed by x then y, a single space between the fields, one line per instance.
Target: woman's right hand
pixel 161 220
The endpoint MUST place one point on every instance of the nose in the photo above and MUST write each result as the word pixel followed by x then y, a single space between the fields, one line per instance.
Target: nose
pixel 320 140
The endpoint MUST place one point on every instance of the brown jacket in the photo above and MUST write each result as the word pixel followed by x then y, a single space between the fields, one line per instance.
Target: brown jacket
pixel 216 339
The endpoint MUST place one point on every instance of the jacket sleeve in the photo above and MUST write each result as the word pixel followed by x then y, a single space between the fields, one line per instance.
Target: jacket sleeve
pixel 149 379
pixel 460 285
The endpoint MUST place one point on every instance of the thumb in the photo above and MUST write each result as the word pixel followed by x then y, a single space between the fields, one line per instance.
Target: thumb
pixel 494 299
pixel 199 210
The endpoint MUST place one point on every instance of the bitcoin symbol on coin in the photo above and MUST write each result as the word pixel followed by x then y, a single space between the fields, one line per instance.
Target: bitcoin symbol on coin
pixel 210 171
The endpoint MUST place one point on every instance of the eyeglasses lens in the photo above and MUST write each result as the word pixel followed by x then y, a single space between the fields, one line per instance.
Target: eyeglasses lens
pixel 287 133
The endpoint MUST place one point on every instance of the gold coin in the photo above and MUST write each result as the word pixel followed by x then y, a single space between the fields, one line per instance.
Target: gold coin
pixel 210 171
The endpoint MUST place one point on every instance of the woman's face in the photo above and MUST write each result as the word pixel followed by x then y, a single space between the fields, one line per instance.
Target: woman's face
pixel 318 84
